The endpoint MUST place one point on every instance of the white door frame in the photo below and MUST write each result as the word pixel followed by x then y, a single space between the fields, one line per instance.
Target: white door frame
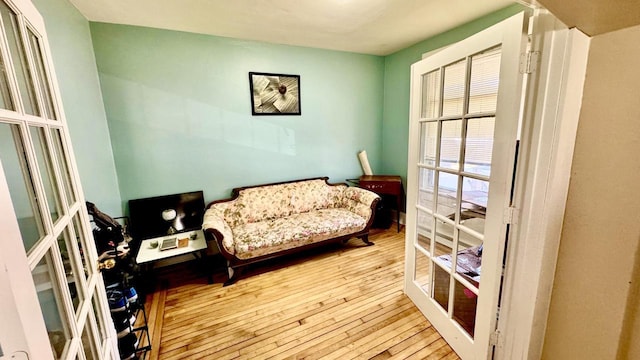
pixel 552 109
pixel 23 315
pixel 510 35
pixel 17 301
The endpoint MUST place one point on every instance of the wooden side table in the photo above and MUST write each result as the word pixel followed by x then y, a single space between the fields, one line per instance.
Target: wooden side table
pixel 385 185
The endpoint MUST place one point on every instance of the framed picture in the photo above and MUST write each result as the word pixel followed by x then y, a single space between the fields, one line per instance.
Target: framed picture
pixel 274 94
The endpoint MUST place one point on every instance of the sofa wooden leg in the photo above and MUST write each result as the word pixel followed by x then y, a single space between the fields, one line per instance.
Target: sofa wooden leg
pixel 365 238
pixel 231 281
pixel 233 275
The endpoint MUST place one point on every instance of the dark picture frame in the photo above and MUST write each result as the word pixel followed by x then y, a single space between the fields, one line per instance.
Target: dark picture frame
pixel 274 94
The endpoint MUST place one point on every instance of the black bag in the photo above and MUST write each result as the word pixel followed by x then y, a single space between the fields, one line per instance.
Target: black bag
pixel 108 232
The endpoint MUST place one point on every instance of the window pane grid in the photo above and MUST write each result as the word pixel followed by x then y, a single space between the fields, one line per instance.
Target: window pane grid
pixel 466 116
pixel 426 179
pixel 441 280
pixel 81 240
pixel 428 141
pixel 464 307
pixel 450 142
pixel 76 284
pixel 453 175
pixel 52 304
pixel 21 186
pixel 6 99
pixel 454 88
pixel 431 85
pixel 103 328
pixel 45 167
pixel 446 193
pixel 425 230
pixel 41 76
pixel 484 79
pixel 17 50
pixel 89 339
pixel 422 274
pixel 63 159
pixel 34 142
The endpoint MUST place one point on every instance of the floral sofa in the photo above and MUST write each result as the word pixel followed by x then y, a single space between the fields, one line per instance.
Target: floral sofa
pixel 265 221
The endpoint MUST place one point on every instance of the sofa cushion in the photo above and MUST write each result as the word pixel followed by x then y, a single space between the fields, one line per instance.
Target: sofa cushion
pixel 270 236
pixel 269 202
pixel 315 195
pixel 261 203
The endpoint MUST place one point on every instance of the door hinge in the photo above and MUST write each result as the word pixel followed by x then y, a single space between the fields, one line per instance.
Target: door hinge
pixel 495 338
pixel 510 215
pixel 529 62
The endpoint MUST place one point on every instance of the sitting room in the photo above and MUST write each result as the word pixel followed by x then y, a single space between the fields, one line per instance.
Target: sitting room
pixel 297 179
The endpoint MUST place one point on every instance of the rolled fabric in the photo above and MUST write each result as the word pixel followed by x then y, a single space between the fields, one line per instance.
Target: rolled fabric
pixel 364 162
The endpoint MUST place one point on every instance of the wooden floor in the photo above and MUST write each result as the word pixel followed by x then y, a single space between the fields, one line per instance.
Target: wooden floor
pixel 341 302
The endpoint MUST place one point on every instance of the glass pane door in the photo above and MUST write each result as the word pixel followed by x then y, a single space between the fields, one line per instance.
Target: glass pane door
pixel 45 196
pixel 462 143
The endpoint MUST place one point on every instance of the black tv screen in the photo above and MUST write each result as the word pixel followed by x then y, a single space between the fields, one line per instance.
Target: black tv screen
pixel 163 215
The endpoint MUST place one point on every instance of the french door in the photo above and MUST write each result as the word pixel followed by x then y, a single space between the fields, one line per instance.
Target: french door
pixel 53 304
pixel 465 111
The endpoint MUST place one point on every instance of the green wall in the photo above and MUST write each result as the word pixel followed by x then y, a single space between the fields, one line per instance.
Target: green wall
pixel 75 66
pixel 178 108
pixel 397 79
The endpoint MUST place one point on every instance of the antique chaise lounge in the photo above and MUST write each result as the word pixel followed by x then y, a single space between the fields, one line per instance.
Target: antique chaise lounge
pixel 266 221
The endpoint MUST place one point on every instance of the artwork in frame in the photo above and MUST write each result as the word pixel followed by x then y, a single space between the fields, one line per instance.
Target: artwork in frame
pixel 274 94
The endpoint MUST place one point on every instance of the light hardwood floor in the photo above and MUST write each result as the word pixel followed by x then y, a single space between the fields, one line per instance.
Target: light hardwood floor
pixel 338 302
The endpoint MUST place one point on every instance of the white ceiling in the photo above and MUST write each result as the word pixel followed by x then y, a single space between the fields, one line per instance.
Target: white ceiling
pixel 377 27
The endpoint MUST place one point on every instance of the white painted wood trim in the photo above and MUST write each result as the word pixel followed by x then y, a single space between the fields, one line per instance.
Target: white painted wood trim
pixel 551 119
pixel 20 323
pixel 28 14
pixel 511 34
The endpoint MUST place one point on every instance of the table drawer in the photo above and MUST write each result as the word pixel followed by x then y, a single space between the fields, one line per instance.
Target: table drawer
pixel 381 187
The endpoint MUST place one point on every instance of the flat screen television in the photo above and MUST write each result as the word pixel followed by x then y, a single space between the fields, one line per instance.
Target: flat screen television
pixel 163 215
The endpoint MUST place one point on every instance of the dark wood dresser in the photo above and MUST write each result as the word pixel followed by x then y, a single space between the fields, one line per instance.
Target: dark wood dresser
pixel 385 185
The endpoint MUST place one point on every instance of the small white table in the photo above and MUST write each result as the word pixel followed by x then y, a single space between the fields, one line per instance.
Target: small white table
pixel 147 255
